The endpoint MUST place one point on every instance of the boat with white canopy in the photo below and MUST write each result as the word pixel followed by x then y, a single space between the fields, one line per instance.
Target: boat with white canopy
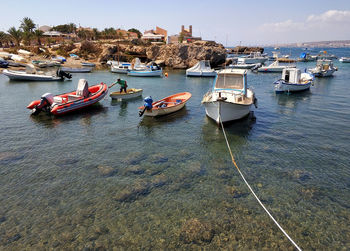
pixel 293 81
pixel 201 69
pixel 324 68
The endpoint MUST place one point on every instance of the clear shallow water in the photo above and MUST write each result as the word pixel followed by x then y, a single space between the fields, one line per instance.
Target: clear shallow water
pixel 105 178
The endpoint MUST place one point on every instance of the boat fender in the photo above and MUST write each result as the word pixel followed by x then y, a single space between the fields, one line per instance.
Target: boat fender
pixel 166 74
pixel 255 102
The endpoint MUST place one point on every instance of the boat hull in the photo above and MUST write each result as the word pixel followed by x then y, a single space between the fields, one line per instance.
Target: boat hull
pixel 228 111
pixel 18 75
pixel 131 93
pixel 157 73
pixel 281 87
pixel 76 70
pixel 164 111
pixel 270 69
pixel 324 73
pixel 200 73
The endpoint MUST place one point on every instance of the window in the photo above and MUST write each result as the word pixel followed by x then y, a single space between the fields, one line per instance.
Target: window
pixel 229 81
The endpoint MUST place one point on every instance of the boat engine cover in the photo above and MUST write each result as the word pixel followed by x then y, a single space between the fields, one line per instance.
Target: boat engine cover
pixel 48 97
pixel 148 103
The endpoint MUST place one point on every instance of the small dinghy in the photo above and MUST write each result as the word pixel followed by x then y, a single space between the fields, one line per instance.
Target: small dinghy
pixel 88 64
pixel 164 106
pixel 131 93
pixel 60 104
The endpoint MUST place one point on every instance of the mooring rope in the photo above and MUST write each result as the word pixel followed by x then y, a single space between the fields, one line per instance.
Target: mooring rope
pixel 256 197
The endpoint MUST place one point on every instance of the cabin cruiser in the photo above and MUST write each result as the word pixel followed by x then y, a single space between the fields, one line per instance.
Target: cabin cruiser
pixel 230 98
pixel 253 58
pixel 120 67
pixel 324 68
pixel 274 67
pixel 293 81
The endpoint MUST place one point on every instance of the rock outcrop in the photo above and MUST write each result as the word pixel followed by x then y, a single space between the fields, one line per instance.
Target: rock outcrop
pixel 177 56
pixel 246 50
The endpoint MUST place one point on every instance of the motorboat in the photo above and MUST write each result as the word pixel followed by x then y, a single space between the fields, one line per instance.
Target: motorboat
pixel 306 57
pixel 325 55
pixel 146 73
pixel 3 63
pixel 87 64
pixel 130 93
pixel 152 70
pixel 230 98
pixel 344 59
pixel 74 56
pixel 76 70
pixel 25 52
pixel 293 81
pixel 201 69
pixel 44 64
pixel 33 75
pixel 245 66
pixel 324 68
pixel 164 106
pixel 253 58
pixel 84 96
pixel 59 59
pixel 120 67
pixel 274 67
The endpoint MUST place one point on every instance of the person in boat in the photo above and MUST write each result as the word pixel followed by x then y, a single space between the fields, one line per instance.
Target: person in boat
pixel 123 84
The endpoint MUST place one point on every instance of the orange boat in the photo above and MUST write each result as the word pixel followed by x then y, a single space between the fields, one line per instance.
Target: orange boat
pixel 164 106
pixel 60 104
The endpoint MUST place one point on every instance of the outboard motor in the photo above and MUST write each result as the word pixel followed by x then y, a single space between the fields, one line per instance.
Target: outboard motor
pixel 45 103
pixel 148 105
pixel 63 74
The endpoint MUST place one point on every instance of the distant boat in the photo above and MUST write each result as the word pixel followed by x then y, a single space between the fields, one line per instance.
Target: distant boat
pixel 88 64
pixel 77 70
pixel 274 67
pixel 245 66
pixel 74 56
pixel 344 59
pixel 61 104
pixel 306 57
pixel 131 93
pixel 201 69
pixel 253 58
pixel 164 106
pixel 44 64
pixel 230 98
pixel 120 67
pixel 293 81
pixel 324 68
pixel 146 73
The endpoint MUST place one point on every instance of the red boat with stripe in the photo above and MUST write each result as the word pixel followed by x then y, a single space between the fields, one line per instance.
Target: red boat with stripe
pixel 61 104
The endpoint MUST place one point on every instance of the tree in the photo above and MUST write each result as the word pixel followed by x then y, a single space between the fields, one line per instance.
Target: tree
pixel 27 25
pixel 4 39
pixel 65 28
pixel 96 34
pixel 38 34
pixel 15 35
pixel 139 34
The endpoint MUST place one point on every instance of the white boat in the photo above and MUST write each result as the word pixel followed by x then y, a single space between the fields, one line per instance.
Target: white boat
pixel 138 66
pixel 344 59
pixel 130 93
pixel 120 67
pixel 87 64
pixel 201 69
pixel 146 73
pixel 253 58
pixel 24 52
pixel 324 68
pixel 230 98
pixel 293 81
pixel 274 67
pixel 18 58
pixel 32 75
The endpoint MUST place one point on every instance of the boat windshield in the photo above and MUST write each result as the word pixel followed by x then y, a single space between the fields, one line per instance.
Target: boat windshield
pixel 229 81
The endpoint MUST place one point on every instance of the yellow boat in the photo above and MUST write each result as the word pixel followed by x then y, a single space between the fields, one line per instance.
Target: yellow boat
pixel 130 93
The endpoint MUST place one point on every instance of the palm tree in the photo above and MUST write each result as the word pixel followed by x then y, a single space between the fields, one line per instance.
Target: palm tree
pixel 38 34
pixel 27 25
pixel 15 34
pixel 4 39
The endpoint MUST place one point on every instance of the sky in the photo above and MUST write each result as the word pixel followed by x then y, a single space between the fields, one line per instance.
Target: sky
pixel 231 23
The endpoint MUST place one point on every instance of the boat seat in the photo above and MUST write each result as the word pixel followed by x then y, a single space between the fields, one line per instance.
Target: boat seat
pixel 73 97
pixel 58 100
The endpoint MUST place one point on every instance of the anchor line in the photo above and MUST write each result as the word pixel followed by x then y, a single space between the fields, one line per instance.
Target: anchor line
pixel 245 181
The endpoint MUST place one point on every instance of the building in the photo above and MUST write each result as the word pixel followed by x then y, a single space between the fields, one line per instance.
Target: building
pixel 128 35
pixel 185 36
pixel 157 35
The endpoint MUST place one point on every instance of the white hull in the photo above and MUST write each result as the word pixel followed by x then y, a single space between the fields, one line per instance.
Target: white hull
pixel 289 87
pixel 242 66
pixel 118 70
pixel 344 60
pixel 201 73
pixel 129 95
pixel 252 60
pixel 18 75
pixel 324 73
pixel 227 111
pixel 157 73
pixel 164 111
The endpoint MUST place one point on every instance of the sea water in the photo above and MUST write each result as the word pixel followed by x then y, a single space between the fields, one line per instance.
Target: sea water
pixel 105 178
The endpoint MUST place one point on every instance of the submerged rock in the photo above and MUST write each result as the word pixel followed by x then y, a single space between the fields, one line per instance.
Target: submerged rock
pixel 195 231
pixel 106 170
pixel 135 169
pixel 130 194
pixel 158 158
pixel 159 180
pixel 235 192
pixel 134 158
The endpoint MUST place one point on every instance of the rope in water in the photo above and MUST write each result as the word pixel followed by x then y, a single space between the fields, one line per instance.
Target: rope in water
pixel 256 197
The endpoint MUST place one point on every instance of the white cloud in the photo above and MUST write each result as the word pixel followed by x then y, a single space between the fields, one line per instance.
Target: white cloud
pixel 326 20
